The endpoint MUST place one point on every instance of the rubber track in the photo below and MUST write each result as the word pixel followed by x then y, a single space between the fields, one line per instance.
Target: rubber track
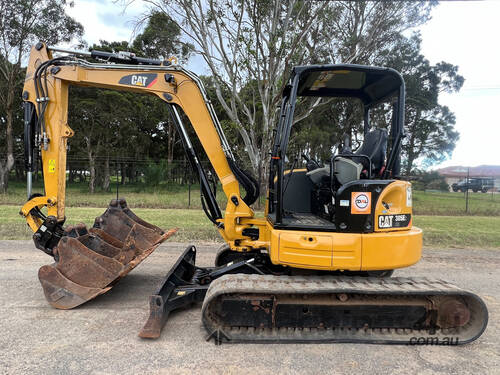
pixel 266 285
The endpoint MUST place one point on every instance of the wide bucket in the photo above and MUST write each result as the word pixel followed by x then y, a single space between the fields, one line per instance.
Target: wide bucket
pixel 88 262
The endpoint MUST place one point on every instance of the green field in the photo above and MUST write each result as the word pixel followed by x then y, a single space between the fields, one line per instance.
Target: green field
pixel 193 224
pixel 453 204
pixel 177 196
pixel 439 231
pixel 441 215
pixel 77 195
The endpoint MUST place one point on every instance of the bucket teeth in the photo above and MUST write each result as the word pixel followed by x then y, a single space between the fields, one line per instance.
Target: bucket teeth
pixel 90 261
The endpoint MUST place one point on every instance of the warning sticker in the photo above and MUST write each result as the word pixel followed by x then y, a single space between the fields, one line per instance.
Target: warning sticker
pixel 344 203
pixel 408 196
pixel 52 165
pixel 361 203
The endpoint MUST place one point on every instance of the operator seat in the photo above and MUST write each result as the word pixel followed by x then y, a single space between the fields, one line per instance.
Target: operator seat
pixel 348 168
pixel 375 147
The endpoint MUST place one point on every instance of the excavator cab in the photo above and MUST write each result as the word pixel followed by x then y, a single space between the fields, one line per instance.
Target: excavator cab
pixel 332 214
pixel 316 197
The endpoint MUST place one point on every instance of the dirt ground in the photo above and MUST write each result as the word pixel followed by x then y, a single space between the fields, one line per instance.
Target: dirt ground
pixel 100 337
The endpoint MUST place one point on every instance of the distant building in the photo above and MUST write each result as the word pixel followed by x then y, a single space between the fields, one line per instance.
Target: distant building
pixel 457 173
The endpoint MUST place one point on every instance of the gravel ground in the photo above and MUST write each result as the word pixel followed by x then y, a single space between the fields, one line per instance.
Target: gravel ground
pixel 100 337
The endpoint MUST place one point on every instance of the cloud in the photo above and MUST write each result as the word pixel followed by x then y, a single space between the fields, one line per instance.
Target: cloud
pixel 106 20
pixel 110 21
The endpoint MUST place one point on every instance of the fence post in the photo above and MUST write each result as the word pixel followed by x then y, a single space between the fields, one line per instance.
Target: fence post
pixel 467 193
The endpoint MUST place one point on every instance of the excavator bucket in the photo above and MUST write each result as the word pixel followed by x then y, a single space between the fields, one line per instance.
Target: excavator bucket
pixel 88 262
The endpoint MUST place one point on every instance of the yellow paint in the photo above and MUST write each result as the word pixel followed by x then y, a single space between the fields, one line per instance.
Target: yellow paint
pixel 391 250
pixel 394 196
pixel 346 251
pixel 306 249
pixel 384 249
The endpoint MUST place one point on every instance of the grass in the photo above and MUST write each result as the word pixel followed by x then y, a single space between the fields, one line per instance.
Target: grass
pixel 441 215
pixel 77 195
pixel 479 232
pixel 453 204
pixel 439 231
pixel 193 224
pixel 177 196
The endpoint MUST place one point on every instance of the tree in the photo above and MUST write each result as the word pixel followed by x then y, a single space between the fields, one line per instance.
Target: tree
pixel 430 181
pixel 22 24
pixel 107 122
pixel 257 42
pixel 161 38
pixel 429 127
pixel 430 133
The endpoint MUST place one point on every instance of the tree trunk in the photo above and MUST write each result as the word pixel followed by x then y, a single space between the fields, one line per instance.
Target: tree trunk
pixel 107 175
pixel 92 174
pixel 72 174
pixel 5 167
pixel 20 174
pixel 4 179
pixel 98 175
pixel 92 171
pixel 132 171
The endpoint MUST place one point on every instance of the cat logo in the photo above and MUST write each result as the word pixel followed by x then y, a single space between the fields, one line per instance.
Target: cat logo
pixel 141 80
pixel 385 221
pixel 361 203
pixel 138 80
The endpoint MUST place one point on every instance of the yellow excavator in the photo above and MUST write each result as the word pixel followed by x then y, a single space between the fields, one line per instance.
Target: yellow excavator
pixel 315 267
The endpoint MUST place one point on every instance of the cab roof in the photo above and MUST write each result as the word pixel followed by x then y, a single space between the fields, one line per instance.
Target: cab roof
pixel 368 83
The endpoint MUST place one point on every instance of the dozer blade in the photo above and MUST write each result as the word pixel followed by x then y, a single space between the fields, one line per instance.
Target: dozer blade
pixel 89 262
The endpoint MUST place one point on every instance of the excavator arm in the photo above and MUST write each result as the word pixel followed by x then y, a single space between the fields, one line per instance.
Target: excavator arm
pixel 46 126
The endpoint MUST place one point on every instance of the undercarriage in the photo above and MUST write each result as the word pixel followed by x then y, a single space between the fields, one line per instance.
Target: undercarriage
pixel 249 301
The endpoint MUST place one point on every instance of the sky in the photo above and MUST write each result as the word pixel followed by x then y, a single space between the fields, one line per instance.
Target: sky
pixel 464 33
